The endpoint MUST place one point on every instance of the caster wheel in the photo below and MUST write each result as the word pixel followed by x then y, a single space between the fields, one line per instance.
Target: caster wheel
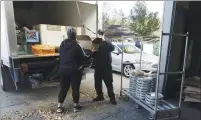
pixel 151 117
pixel 137 106
pixel 124 97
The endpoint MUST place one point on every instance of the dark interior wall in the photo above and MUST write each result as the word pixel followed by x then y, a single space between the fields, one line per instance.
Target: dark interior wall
pixel 177 42
pixel 195 35
pixel 176 49
pixel 187 19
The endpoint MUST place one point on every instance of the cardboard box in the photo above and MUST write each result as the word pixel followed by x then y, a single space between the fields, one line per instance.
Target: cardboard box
pixel 191 99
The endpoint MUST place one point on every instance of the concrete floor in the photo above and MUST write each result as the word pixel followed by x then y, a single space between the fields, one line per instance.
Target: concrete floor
pixel 39 104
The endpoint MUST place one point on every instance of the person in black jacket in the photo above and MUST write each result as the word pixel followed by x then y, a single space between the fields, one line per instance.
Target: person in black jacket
pixel 103 69
pixel 70 69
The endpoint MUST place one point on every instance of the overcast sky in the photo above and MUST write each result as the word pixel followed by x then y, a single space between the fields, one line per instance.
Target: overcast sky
pixel 154 6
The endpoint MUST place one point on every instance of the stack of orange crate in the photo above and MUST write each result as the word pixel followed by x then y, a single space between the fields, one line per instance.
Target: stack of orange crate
pixel 43 50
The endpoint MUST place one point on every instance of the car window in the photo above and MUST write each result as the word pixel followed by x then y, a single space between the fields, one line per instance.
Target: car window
pixel 129 48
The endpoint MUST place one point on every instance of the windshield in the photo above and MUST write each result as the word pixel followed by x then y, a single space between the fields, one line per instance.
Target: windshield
pixel 129 48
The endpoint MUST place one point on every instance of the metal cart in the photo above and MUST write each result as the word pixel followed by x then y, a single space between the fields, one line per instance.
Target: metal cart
pixel 164 110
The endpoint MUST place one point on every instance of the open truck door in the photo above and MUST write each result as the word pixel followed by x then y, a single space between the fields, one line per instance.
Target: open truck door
pixel 64 13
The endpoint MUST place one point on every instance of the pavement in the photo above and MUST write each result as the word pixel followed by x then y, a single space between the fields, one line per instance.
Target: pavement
pixel 40 104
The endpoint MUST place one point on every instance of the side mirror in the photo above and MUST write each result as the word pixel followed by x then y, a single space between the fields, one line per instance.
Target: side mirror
pixel 117 53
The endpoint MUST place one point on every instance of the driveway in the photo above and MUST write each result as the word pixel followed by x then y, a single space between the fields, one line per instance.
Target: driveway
pixel 40 104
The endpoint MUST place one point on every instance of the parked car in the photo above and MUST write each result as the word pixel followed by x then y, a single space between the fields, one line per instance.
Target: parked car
pixel 131 59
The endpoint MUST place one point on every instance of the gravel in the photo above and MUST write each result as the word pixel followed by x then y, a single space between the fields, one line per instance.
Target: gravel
pixel 47 110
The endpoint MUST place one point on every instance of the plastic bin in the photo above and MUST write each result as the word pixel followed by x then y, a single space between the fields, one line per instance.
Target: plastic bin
pixel 43 50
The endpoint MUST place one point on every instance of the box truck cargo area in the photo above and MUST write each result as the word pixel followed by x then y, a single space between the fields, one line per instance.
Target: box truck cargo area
pixel 185 18
pixel 50 20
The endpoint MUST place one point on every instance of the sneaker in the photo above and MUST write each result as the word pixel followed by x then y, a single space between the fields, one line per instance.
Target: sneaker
pixel 98 98
pixel 60 109
pixel 113 101
pixel 77 108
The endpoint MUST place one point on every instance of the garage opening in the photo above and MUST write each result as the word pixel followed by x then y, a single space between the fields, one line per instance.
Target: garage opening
pixel 187 19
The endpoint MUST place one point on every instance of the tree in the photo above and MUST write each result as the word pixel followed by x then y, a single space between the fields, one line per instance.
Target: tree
pixel 119 18
pixel 113 16
pixel 142 22
pixel 106 14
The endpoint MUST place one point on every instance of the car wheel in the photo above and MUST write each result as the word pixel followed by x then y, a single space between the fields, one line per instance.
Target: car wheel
pixel 127 69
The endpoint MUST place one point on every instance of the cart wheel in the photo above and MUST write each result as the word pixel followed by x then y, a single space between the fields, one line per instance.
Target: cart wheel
pixel 151 117
pixel 124 97
pixel 137 106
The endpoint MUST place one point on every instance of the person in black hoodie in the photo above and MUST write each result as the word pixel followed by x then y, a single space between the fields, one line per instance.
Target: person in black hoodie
pixel 103 69
pixel 70 69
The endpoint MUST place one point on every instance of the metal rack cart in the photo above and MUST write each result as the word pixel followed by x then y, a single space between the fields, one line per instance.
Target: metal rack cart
pixel 164 110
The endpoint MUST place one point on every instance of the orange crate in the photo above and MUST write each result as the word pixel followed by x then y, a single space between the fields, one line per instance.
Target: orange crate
pixel 43 50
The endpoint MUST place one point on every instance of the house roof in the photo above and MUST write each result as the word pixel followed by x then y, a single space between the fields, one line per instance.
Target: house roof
pixel 117 30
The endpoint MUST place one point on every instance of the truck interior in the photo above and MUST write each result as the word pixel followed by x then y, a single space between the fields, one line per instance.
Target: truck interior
pixel 57 16
pixel 54 13
pixel 186 19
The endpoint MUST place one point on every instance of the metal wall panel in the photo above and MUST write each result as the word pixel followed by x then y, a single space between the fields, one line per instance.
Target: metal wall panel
pixel 168 18
pixel 12 40
pixel 5 49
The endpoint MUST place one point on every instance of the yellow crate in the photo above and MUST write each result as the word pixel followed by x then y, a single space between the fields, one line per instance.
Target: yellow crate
pixel 43 50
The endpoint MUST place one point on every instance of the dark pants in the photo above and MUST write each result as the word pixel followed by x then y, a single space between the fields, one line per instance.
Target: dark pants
pixel 105 74
pixel 73 79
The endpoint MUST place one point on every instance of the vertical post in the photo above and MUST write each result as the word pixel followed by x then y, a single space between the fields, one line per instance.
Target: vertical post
pixel 141 55
pixel 184 67
pixel 158 75
pixel 96 18
pixel 122 52
pixel 81 22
